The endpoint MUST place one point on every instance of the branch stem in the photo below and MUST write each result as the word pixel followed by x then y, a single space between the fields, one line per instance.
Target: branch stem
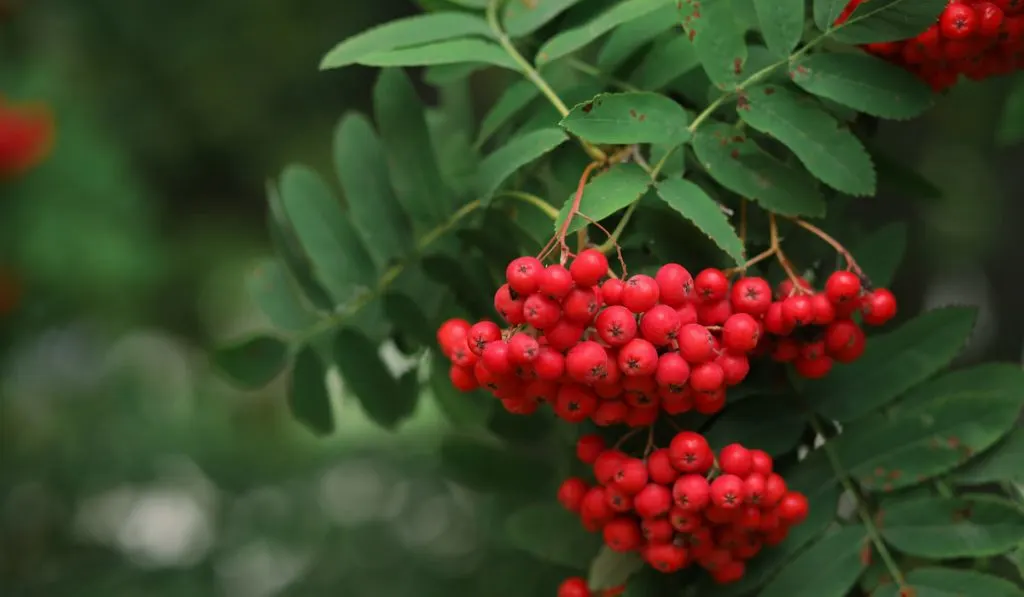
pixel 850 261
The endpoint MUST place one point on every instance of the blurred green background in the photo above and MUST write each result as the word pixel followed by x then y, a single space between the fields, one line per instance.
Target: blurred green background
pixel 127 466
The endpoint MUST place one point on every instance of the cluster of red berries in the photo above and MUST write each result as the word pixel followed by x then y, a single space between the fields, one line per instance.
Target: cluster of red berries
pixel 616 351
pixel 604 349
pixel 974 38
pixel 813 330
pixel 577 587
pixel 680 507
pixel 26 136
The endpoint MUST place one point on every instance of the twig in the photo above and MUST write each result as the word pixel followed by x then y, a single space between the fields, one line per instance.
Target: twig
pixel 862 511
pixel 593 71
pixel 850 261
pixel 618 249
pixel 624 438
pixel 773 228
pixel 573 210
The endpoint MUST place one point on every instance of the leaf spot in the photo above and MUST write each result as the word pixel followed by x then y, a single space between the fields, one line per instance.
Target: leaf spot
pixel 587 107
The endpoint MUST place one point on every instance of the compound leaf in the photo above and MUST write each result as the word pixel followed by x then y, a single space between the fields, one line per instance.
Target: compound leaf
pixel 625 118
pixel 695 205
pixel 606 194
pixel 865 83
pixel 942 528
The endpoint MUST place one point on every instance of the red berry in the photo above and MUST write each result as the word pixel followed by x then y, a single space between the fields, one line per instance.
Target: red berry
pixel 707 377
pixel 842 287
pixel 690 453
pixel 564 334
pixel 685 521
pixel 787 288
pixel 510 308
pixel 666 557
pixel 587 363
pixel 751 295
pixel 659 467
pixel 735 367
pixel 540 390
pixel 451 333
pixel 607 465
pixel 774 321
pixel 660 325
pixel 523 348
pixel 741 333
pixel 822 310
pixel 595 506
pixel 640 293
pixel 589 267
pixel 574 587
pixel 575 403
pixel 523 274
pixel 711 285
pixel 786 350
pixel 463 379
pixel 729 572
pixel 657 531
pixel 495 358
pixel 541 311
pixel 580 305
pixel 461 355
pixel 735 459
pixel 775 536
pixel 774 489
pixel 990 18
pixel 696 344
pixel 878 307
pixel 631 476
pixel 675 284
pixel 687 314
pixel 761 462
pixel 748 520
pixel 691 492
pixel 844 341
pixel 793 508
pixel 638 357
pixel 728 491
pixel 616 325
pixel 812 367
pixel 652 501
pixel 618 500
pixel 555 282
pixel 549 364
pixel 714 312
pixel 589 447
pixel 673 372
pixel 753 484
pixel 571 492
pixel 640 390
pixel 797 310
pixel 642 417
pixel 611 291
pixel 715 559
pixel 958 21
pixel 610 412
pixel 709 403
pixel 481 334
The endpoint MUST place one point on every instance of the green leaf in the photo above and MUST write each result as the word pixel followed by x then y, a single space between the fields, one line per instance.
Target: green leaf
pixel 781 23
pixel 489 467
pixel 829 568
pixel 339 259
pixel 383 398
pixel 252 363
pixel 767 564
pixel 277 295
pixel 361 164
pixel 630 37
pixel 829 151
pixel 515 99
pixel 880 252
pixel 892 364
pixel 573 39
pixel 664 63
pixel 506 160
pixel 552 534
pixel 611 569
pixel 606 194
pixel 944 528
pixel 411 31
pixel 887 20
pixel 738 164
pixel 1010 129
pixel 407 317
pixel 286 245
pixel 950 582
pixel 440 75
pixel 746 422
pixel 308 398
pixel 903 180
pixel 473 294
pixel 717 39
pixel 865 83
pixel 1000 463
pixel 415 175
pixel 934 428
pixel 462 409
pixel 523 17
pixel 694 204
pixel 455 51
pixel 827 11
pixel 625 118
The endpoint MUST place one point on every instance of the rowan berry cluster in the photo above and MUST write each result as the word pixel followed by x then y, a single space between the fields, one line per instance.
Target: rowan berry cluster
pixel 681 506
pixel 977 39
pixel 612 351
